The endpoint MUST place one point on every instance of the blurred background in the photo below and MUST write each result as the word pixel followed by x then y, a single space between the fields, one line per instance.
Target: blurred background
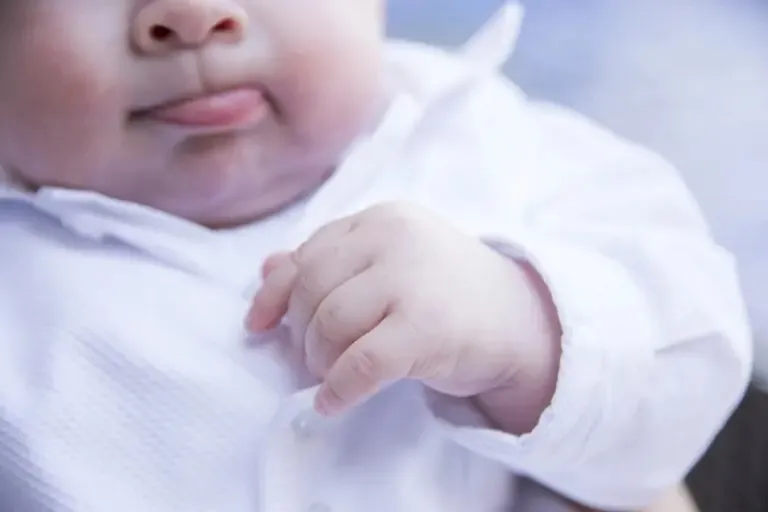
pixel 689 78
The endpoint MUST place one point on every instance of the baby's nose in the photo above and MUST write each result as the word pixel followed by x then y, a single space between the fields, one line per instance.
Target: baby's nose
pixel 164 26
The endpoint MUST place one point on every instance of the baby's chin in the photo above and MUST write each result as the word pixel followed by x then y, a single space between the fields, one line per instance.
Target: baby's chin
pixel 232 208
pixel 228 190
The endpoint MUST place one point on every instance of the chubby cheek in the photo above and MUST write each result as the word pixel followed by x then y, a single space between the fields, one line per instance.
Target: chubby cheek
pixel 60 110
pixel 329 86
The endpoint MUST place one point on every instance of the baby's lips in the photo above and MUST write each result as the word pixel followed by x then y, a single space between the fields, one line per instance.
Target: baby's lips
pixel 232 108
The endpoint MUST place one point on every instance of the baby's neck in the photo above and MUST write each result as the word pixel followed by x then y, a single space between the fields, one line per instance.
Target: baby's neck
pixel 281 203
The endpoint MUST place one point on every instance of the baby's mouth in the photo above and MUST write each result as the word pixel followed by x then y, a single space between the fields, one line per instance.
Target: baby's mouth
pixel 240 107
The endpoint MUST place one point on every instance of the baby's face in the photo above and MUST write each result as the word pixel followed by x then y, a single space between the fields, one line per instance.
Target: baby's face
pixel 90 92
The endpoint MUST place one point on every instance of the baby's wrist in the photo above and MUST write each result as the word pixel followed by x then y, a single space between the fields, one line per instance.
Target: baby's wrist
pixel 516 406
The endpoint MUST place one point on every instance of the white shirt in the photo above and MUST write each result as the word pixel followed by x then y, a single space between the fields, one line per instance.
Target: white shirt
pixel 127 382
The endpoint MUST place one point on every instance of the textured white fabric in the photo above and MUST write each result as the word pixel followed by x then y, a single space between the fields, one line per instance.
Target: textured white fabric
pixel 127 383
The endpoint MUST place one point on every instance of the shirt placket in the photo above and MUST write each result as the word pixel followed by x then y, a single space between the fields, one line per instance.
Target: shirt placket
pixel 298 447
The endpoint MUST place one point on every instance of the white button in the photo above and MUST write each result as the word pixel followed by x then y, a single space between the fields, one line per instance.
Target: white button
pixel 319 507
pixel 306 424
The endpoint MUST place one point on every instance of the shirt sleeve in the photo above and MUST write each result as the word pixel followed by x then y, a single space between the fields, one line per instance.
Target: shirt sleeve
pixel 656 348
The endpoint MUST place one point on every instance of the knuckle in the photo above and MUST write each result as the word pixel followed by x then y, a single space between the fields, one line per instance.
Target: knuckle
pixel 386 208
pixel 334 394
pixel 396 210
pixel 302 255
pixel 366 366
pixel 329 318
pixel 307 285
pixel 398 220
pixel 326 236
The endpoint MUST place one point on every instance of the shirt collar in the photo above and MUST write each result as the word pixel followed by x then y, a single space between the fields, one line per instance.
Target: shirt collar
pixel 483 55
pixel 96 217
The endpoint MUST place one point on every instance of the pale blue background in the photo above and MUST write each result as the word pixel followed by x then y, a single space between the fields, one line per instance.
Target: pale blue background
pixel 687 77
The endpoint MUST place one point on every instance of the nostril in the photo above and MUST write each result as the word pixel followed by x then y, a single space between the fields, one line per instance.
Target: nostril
pixel 225 25
pixel 163 28
pixel 160 33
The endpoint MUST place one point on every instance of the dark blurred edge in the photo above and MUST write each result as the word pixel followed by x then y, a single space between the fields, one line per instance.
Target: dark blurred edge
pixel 733 475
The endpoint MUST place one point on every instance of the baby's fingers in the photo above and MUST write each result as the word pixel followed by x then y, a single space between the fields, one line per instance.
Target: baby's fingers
pixel 386 354
pixel 273 262
pixel 271 301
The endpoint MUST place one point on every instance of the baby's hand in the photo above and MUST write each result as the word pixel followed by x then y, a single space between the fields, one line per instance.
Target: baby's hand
pixel 394 293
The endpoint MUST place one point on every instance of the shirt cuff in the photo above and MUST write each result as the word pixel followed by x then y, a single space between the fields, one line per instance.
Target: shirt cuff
pixel 585 287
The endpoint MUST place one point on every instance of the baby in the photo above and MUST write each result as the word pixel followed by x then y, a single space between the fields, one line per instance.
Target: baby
pixel 257 259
